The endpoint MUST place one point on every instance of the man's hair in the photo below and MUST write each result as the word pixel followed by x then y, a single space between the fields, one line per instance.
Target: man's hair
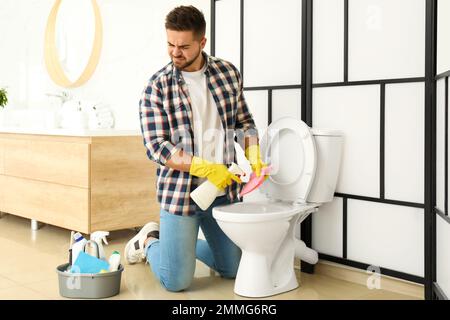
pixel 187 18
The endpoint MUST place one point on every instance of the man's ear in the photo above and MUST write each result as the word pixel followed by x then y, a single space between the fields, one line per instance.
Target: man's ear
pixel 203 42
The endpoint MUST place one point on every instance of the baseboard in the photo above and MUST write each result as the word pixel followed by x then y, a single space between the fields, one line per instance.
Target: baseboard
pixel 358 276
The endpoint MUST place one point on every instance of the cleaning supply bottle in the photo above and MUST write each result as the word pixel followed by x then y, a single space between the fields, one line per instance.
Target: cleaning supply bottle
pixel 114 261
pixel 207 192
pixel 78 245
pixel 72 240
pixel 100 237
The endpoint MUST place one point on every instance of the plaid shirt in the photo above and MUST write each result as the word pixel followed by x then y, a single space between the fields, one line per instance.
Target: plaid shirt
pixel 166 124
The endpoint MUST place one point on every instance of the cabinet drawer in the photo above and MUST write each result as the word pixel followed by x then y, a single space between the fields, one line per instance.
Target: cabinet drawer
pixel 45 160
pixel 55 204
pixel 123 193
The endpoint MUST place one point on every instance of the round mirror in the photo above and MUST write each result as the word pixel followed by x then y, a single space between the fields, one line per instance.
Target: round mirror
pixel 73 41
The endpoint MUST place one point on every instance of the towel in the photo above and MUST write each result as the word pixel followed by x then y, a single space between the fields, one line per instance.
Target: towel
pixel 88 264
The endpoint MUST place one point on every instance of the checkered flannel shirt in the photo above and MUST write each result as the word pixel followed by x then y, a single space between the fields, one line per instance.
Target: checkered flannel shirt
pixel 166 117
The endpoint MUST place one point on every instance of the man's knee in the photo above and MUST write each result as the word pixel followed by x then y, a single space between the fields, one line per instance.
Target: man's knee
pixel 176 283
pixel 229 274
pixel 231 270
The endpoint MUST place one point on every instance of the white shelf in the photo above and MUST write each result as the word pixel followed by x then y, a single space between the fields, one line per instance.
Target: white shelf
pixel 72 132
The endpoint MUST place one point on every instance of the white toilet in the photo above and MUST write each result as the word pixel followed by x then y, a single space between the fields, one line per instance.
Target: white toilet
pixel 305 165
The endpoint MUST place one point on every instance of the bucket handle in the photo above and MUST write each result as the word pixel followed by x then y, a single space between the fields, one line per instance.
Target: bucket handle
pixel 96 246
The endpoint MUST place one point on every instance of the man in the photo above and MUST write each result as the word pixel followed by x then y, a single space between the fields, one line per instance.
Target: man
pixel 190 112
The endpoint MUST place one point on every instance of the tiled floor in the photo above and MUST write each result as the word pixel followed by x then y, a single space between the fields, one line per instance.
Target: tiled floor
pixel 29 259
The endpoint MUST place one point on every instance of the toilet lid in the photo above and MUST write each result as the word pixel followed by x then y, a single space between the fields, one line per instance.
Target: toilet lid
pixel 288 145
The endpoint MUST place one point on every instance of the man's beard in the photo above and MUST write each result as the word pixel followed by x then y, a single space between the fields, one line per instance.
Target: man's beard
pixel 188 63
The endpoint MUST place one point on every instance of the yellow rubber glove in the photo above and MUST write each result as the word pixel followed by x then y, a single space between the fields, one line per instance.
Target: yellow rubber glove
pixel 252 153
pixel 216 173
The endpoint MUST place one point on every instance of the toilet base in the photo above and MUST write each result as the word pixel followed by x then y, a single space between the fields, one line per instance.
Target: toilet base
pixel 275 290
pixel 253 282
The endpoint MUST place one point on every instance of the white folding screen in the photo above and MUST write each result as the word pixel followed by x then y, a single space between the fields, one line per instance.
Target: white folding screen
pixel 386 39
pixel 443 36
pixel 440 145
pixel 404 150
pixel 383 126
pixel 272 42
pixel 355 110
pixel 443 255
pixel 329 220
pixel 386 235
pixel 257 103
pixel 328 41
pixel 287 103
pixel 271 57
pixel 228 31
pixel 382 173
pixel 442 138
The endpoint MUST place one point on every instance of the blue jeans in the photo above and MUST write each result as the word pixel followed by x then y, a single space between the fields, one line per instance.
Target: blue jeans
pixel 172 257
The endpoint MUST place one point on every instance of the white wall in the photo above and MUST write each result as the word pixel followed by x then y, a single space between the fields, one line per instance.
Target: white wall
pixel 134 47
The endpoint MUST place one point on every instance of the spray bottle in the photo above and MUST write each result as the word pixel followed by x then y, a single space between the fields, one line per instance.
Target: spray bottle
pixel 100 237
pixel 77 246
pixel 207 192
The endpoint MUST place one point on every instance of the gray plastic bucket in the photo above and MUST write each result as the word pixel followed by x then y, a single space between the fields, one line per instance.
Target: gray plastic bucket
pixel 88 286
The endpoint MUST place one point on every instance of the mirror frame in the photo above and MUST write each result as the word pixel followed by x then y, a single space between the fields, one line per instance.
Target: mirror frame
pixel 52 61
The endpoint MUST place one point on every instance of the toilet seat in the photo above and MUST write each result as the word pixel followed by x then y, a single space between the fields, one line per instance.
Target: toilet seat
pixel 288 145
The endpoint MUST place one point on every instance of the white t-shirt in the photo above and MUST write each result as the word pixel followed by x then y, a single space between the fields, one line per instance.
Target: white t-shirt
pixel 207 127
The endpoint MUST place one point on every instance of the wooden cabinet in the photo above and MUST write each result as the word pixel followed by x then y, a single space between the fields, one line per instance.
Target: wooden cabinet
pixel 78 183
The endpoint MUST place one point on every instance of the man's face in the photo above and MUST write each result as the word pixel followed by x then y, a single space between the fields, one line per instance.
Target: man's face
pixel 183 48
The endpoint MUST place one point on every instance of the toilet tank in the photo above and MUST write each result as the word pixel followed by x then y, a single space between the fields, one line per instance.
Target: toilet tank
pixel 329 144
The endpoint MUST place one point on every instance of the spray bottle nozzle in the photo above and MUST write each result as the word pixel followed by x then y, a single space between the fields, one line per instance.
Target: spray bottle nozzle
pixel 98 236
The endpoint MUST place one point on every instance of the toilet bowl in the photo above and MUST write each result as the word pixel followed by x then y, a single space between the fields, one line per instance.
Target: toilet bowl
pixel 305 166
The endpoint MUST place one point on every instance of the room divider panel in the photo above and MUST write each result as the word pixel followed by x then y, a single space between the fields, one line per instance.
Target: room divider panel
pixel 368 68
